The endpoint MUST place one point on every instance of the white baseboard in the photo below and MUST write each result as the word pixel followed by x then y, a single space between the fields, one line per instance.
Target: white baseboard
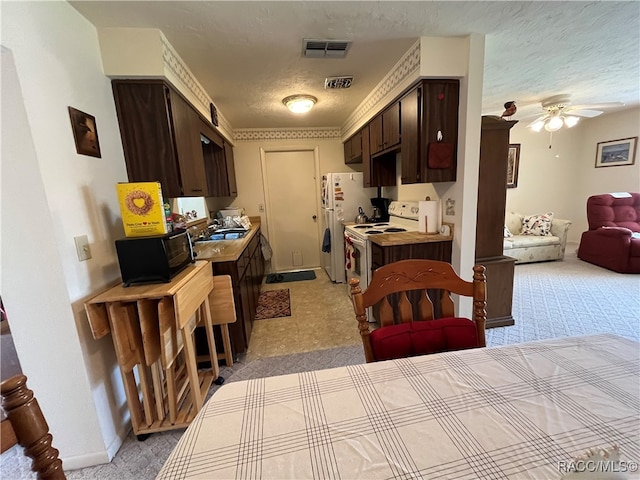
pixel 82 461
pixel 97 458
pixel 118 440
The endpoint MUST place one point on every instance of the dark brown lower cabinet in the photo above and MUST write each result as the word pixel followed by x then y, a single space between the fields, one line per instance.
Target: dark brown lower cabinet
pixel 499 272
pixel 432 251
pixel 246 277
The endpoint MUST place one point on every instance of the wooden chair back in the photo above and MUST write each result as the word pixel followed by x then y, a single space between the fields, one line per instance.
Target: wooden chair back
pixel 416 290
pixel 25 425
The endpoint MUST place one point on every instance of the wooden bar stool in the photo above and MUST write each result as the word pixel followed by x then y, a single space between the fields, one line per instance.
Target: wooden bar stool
pixel 223 312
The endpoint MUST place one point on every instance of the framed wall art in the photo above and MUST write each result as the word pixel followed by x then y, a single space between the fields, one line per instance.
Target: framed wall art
pixel 512 165
pixel 214 114
pixel 85 133
pixel 615 153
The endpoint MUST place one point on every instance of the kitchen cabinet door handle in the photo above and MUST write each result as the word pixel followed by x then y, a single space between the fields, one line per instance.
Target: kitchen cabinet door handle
pixel 314 217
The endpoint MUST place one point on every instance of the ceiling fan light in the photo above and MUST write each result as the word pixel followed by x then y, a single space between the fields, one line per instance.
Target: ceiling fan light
pixel 553 124
pixel 571 121
pixel 537 126
pixel 300 103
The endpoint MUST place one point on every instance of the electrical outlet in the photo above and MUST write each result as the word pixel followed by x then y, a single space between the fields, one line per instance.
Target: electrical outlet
pixel 82 247
pixel 261 208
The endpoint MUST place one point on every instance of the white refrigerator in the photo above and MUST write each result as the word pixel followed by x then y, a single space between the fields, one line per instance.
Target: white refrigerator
pixel 342 194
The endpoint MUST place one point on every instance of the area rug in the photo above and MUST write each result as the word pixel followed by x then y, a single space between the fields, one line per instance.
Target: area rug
pixel 290 276
pixel 273 304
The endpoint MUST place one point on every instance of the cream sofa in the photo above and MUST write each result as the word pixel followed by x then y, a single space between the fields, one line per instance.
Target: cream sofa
pixel 534 248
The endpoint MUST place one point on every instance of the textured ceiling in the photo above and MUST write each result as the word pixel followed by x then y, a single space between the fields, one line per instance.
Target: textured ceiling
pixel 247 55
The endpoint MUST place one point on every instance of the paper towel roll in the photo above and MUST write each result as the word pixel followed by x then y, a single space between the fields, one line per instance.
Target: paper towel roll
pixel 429 216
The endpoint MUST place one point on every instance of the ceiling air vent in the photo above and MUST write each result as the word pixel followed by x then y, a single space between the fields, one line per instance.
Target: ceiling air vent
pixel 338 82
pixel 325 48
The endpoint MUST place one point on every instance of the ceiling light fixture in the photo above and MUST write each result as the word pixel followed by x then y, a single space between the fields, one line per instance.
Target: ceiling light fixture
pixel 554 122
pixel 300 103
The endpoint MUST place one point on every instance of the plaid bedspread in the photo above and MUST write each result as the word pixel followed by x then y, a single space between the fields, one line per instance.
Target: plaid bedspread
pixel 513 412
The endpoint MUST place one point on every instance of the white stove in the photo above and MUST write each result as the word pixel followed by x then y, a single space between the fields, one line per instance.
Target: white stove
pixel 403 217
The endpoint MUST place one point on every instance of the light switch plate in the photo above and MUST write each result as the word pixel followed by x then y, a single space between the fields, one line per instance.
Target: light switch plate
pixel 82 247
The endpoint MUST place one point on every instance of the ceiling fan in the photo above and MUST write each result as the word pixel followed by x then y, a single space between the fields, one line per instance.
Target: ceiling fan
pixel 559 112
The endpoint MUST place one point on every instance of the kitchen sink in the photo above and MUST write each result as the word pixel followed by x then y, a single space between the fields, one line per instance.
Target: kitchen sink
pixel 223 234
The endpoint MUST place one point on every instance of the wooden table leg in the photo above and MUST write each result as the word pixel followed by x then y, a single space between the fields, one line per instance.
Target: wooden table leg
pixel 226 342
pixel 127 340
pixel 135 408
pixel 208 326
pixel 191 362
pixel 158 389
pixel 170 347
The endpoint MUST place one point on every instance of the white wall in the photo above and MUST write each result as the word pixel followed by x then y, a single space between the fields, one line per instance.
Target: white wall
pixel 50 195
pixel 593 180
pixel 561 178
pixel 249 170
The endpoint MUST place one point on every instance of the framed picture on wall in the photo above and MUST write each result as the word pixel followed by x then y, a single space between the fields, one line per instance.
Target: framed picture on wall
pixel 85 133
pixel 616 152
pixel 512 165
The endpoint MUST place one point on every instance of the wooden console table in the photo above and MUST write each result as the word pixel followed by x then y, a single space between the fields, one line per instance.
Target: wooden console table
pixel 152 329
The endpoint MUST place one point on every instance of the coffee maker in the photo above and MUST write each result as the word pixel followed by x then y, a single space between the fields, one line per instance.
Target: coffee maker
pixel 380 209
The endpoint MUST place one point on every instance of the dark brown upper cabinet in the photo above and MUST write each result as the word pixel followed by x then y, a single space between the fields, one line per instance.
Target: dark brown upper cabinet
pixel 384 130
pixel 429 108
pixel 231 169
pixel 158 131
pixel 353 149
pixel 379 171
pixel 218 161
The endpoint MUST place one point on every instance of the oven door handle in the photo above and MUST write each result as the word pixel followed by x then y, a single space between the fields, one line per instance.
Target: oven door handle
pixel 357 241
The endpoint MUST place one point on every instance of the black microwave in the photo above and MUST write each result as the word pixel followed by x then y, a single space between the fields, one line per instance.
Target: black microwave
pixel 155 259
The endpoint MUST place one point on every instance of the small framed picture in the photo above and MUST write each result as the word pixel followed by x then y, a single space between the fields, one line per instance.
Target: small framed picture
pixel 512 165
pixel 214 114
pixel 85 133
pixel 616 152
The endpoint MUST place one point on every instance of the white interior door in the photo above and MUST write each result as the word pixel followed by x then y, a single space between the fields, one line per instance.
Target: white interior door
pixel 292 198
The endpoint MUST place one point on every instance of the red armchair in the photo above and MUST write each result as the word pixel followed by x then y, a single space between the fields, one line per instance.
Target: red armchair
pixel 613 238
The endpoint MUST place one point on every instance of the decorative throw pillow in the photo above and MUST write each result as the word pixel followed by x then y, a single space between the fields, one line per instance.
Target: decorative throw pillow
pixel 507 233
pixel 539 225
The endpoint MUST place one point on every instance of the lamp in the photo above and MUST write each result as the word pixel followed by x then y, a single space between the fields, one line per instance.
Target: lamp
pixel 300 103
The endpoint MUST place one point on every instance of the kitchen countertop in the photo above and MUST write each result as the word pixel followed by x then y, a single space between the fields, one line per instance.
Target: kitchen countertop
pixel 218 251
pixel 408 238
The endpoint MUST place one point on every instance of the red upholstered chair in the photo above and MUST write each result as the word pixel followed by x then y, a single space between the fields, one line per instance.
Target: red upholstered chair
pixel 411 322
pixel 613 238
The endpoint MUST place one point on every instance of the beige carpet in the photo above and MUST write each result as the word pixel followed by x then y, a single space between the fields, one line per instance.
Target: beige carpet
pixel 551 299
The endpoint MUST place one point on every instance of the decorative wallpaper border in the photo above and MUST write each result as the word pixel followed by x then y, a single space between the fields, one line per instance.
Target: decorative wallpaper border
pixel 248 134
pixel 407 65
pixel 174 63
pixel 404 68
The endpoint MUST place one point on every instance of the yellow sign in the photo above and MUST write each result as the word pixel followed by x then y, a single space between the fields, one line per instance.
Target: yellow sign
pixel 142 209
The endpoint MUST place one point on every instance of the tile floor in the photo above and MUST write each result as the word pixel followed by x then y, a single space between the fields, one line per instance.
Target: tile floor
pixel 322 317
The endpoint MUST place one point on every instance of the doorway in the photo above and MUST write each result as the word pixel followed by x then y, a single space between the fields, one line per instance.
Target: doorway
pixel 292 198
